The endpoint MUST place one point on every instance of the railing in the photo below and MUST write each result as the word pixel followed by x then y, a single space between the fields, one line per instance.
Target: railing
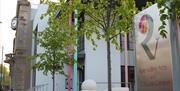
pixel 43 87
pixel 103 85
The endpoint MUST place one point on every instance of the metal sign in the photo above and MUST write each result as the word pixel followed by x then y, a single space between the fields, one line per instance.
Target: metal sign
pixel 154 72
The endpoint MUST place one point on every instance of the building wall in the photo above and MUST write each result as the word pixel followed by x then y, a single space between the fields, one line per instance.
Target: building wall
pixel 131 58
pixel 33 13
pixel 96 64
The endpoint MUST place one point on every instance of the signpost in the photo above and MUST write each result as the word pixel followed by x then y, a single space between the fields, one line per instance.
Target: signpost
pixel 126 60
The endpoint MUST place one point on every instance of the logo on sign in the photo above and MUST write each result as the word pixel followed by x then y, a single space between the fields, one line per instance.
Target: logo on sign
pixel 146 26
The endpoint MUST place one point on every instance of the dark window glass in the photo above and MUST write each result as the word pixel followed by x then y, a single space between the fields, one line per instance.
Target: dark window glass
pixel 35 41
pixel 131 76
pixel 81 44
pixel 80 76
pixel 81 39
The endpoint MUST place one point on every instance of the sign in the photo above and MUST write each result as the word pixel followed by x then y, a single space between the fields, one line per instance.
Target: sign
pixel 154 71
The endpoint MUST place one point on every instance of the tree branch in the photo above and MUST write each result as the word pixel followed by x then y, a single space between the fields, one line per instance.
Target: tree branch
pixel 97 26
pixel 97 20
pixel 114 36
pixel 113 20
pixel 104 20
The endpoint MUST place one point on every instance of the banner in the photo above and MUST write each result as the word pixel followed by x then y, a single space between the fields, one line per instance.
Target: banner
pixel 154 67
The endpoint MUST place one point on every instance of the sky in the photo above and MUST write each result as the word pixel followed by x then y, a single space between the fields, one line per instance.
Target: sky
pixel 7 12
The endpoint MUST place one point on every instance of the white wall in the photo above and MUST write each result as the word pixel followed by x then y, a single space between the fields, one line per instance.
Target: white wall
pixel 131 58
pixel 96 63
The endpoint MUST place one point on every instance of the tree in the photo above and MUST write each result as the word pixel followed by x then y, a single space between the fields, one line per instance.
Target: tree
pixel 173 9
pixel 55 43
pixel 4 76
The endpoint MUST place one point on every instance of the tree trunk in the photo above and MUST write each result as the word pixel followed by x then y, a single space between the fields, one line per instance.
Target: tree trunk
pixel 109 48
pixel 109 64
pixel 53 77
pixel 53 70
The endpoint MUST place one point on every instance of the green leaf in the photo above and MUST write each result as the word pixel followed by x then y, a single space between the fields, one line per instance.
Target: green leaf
pixel 163 33
pixel 161 27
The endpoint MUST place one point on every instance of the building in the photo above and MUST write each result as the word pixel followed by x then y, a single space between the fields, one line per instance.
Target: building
pixel 93 62
pixel 157 74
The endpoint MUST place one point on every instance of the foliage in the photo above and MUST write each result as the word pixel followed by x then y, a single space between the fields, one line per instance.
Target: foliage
pixel 6 77
pixel 96 17
pixel 55 43
pixel 173 9
pixel 58 35
pixel 119 20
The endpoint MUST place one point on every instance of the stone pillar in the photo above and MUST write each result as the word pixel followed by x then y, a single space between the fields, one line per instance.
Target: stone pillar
pixel 22 48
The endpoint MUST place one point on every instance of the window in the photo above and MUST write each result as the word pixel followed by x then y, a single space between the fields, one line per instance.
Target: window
pixel 81 75
pixel 35 40
pixel 81 44
pixel 81 39
pixel 131 76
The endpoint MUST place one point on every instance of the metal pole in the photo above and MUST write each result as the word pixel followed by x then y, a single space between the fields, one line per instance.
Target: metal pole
pixel 75 82
pixel 126 60
pixel 70 54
